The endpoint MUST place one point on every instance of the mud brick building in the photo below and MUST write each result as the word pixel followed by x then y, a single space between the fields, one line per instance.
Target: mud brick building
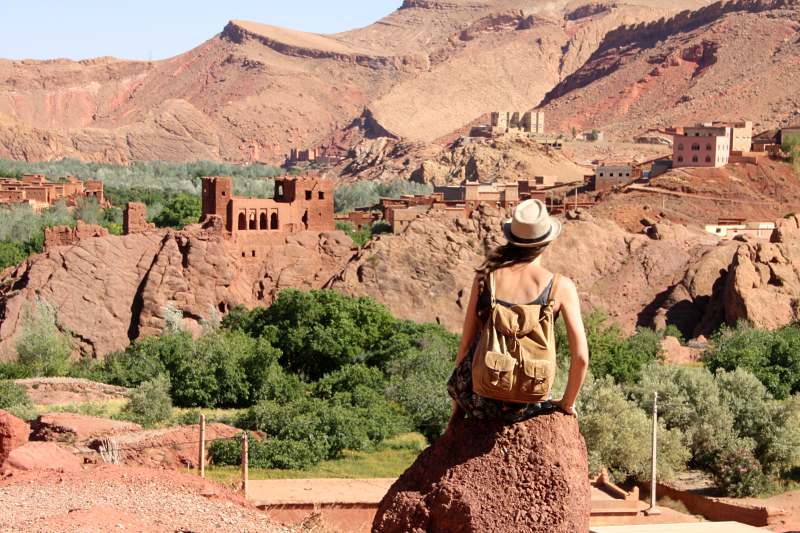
pixel 134 219
pixel 36 191
pixel 303 203
pixel 606 177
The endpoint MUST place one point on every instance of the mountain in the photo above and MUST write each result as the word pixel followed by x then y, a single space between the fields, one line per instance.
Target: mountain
pixel 727 61
pixel 254 91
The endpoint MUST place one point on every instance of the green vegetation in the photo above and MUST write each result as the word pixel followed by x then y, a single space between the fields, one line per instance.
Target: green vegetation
pixel 368 193
pixel 42 348
pixel 150 402
pixel 14 399
pixel 791 146
pixel 330 381
pixel 364 235
pixel 387 460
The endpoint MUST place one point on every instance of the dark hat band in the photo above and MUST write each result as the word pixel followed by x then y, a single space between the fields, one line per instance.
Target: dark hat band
pixel 531 241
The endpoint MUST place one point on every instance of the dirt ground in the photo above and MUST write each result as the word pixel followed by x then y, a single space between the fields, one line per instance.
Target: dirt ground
pixel 111 498
pixel 789 502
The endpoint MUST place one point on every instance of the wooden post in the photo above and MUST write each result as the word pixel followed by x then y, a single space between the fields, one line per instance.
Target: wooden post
pixel 201 460
pixel 653 510
pixel 245 461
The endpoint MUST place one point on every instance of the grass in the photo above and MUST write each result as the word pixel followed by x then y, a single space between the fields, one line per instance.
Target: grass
pixel 389 459
pixel 104 409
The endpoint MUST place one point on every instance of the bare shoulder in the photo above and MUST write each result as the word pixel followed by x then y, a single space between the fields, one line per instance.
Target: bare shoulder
pixel 566 291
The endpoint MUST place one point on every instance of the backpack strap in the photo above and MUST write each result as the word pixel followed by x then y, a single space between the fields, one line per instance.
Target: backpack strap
pixel 554 289
pixel 491 290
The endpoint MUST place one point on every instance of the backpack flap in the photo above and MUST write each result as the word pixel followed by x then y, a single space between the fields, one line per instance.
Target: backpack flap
pixel 500 371
pixel 537 377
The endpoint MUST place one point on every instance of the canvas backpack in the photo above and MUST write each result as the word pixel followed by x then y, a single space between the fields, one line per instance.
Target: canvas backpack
pixel 515 360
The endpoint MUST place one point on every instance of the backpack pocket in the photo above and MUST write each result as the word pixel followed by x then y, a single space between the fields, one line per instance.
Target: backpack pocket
pixel 537 376
pixel 499 371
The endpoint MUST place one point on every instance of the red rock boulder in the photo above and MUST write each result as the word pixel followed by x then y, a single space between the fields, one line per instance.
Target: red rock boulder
pixel 42 456
pixel 13 434
pixel 488 476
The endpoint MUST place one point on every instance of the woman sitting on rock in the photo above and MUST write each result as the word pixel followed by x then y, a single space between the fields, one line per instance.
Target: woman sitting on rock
pixel 506 362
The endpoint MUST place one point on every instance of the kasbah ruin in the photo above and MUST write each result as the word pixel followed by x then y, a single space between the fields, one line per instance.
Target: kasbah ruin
pixel 163 221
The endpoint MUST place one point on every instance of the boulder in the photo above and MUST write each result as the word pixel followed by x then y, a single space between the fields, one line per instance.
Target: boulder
pixel 71 427
pixel 13 434
pixel 41 456
pixel 489 476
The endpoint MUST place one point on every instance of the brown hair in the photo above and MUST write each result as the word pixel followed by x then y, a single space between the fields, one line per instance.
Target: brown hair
pixel 508 255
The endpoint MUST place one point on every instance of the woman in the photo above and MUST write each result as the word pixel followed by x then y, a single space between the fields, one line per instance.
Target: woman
pixel 519 279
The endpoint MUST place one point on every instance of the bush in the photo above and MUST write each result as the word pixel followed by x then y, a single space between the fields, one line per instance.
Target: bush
pixel 612 354
pixel 150 402
pixel 318 332
pixel 42 347
pixel 179 211
pixel 13 395
pixel 616 432
pixel 772 356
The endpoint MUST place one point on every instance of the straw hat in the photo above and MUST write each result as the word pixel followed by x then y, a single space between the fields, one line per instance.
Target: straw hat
pixel 531 226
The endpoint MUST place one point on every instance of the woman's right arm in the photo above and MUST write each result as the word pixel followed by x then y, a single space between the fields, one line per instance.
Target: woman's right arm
pixel 578 347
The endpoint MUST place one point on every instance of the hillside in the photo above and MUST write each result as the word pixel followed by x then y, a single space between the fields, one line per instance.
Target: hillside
pixel 254 91
pixel 724 62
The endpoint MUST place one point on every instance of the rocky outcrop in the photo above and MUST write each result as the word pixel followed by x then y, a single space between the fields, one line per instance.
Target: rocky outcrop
pixel 763 284
pixel 487 476
pixel 425 274
pixel 75 428
pixel 13 434
pixel 49 391
pixel 110 290
pixel 41 456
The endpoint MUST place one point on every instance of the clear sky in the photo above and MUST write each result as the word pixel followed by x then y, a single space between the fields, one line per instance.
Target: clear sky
pixel 155 29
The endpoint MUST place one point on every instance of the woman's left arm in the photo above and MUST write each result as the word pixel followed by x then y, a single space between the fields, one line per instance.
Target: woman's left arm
pixel 471 323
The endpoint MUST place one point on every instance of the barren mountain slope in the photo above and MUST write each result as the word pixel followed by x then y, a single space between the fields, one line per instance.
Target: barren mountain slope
pixel 732 61
pixel 254 91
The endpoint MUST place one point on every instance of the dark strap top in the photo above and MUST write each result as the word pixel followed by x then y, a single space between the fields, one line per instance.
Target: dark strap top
pixel 485 298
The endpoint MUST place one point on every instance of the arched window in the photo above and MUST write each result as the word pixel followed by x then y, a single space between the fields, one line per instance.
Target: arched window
pixel 708 147
pixel 273 221
pixel 680 146
pixel 680 159
pixel 262 223
pixel 695 147
pixel 708 159
pixel 694 159
pixel 242 221
pixel 253 221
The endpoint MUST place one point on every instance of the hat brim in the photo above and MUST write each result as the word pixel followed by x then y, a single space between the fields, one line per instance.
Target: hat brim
pixel 555 231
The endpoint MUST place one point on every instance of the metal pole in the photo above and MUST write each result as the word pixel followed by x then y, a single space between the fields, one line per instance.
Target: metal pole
pixel 245 461
pixel 201 460
pixel 653 510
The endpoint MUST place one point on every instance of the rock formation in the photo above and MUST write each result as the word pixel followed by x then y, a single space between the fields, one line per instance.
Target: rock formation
pixel 426 273
pixel 13 434
pixel 109 290
pixel 67 236
pixel 763 283
pixel 41 456
pixel 487 476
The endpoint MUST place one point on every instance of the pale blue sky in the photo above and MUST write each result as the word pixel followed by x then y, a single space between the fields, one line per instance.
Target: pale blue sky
pixel 144 29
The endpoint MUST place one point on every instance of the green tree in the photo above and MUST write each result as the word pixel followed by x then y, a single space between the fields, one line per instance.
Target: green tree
pixel 179 211
pixel 42 347
pixel 150 402
pixel 89 211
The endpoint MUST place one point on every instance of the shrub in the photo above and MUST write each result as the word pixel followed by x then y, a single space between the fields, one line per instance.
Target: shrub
pixel 42 347
pixel 13 395
pixel 179 211
pixel 150 402
pixel 772 356
pixel 319 331
pixel 616 432
pixel 368 193
pixel 736 469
